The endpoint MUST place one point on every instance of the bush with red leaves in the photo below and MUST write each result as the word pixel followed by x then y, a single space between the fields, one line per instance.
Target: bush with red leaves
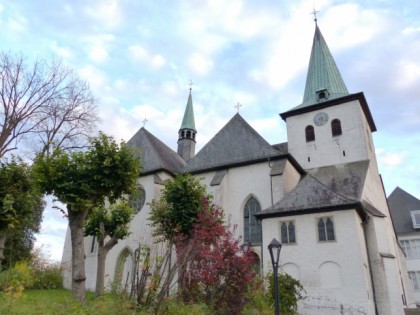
pixel 216 270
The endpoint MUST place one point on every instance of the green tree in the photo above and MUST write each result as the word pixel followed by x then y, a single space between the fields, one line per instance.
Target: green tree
pixel 108 222
pixel 174 214
pixel 177 210
pixel 19 199
pixel 83 181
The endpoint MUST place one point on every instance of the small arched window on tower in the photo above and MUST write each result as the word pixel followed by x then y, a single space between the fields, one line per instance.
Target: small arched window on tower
pixel 182 135
pixel 336 128
pixel 310 133
pixel 188 134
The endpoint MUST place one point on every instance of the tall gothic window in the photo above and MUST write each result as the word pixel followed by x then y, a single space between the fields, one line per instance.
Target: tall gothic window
pixel 252 226
pixel 310 133
pixel 326 229
pixel 336 127
pixel 287 231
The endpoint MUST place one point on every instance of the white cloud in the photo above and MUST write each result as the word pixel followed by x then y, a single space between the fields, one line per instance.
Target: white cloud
pixel 106 12
pixel 348 25
pixel 96 78
pixel 17 24
pixel 140 54
pixel 98 53
pixel 408 74
pixel 389 159
pixel 200 64
pixel 62 51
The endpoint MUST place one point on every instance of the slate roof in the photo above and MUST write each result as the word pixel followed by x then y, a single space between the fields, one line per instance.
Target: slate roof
pixel 237 142
pixel 400 204
pixel 348 178
pixel 155 155
pixel 325 189
pixel 309 194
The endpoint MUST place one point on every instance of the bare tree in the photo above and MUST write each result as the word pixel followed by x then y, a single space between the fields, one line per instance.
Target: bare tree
pixel 44 102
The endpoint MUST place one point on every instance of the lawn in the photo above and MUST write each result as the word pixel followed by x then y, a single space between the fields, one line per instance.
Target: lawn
pixel 57 302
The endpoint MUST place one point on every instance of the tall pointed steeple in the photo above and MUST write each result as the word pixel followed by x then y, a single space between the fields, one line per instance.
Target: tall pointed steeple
pixel 323 81
pixel 187 132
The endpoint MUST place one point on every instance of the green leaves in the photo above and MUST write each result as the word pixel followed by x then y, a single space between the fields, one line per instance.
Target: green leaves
pixel 178 209
pixel 86 179
pixel 19 196
pixel 114 220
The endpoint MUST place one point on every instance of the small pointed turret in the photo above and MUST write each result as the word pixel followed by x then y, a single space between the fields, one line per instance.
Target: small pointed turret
pixel 323 81
pixel 187 132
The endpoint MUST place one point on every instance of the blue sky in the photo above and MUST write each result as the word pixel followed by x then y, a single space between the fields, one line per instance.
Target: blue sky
pixel 139 57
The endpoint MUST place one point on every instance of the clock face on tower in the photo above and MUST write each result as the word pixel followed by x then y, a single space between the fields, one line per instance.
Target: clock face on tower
pixel 321 119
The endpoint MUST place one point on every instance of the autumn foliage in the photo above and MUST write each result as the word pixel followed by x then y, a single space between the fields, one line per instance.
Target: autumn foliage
pixel 218 270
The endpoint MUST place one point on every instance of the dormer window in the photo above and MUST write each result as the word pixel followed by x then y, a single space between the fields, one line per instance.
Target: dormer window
pixel 322 95
pixel 415 218
pixel 310 133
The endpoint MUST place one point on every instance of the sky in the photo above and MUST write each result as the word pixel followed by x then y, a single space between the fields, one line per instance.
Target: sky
pixel 139 57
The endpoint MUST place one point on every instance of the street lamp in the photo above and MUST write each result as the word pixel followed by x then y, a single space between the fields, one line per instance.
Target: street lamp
pixel 274 248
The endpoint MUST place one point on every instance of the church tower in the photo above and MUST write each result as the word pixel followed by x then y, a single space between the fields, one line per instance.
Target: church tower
pixel 187 132
pixel 331 126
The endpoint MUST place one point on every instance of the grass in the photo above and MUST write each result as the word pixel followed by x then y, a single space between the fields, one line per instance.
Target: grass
pixel 60 302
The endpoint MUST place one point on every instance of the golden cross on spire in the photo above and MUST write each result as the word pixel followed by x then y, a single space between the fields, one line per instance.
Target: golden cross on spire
pixel 191 84
pixel 144 122
pixel 237 106
pixel 314 12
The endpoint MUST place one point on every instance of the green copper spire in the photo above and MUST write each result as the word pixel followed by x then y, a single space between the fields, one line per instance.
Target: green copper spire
pixel 323 81
pixel 188 121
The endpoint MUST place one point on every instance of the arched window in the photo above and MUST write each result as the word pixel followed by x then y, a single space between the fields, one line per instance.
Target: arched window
pixel 188 134
pixel 137 198
pixel 310 133
pixel 326 229
pixel 287 230
pixel 252 226
pixel 336 127
pixel 182 134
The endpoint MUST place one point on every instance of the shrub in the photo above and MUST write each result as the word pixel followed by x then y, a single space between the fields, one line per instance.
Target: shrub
pixel 290 291
pixel 14 280
pixel 219 270
pixel 47 274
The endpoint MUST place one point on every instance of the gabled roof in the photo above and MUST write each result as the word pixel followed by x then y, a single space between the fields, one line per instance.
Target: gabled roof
pixel 401 203
pixel 188 120
pixel 155 155
pixel 323 74
pixel 237 142
pixel 309 194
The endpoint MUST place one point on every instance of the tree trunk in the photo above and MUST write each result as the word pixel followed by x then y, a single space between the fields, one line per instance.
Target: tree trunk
pixel 103 250
pixel 2 242
pixel 76 223
pixel 100 269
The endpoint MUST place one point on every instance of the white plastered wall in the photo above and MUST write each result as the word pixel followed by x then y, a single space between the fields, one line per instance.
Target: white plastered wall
pixel 352 292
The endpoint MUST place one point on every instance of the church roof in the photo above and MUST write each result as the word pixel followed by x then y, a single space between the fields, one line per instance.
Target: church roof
pixel 323 74
pixel 327 188
pixel 309 194
pixel 188 120
pixel 401 203
pixel 155 155
pixel 236 143
pixel 347 178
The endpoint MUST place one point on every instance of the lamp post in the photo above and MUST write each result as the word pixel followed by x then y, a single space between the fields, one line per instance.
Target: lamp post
pixel 274 248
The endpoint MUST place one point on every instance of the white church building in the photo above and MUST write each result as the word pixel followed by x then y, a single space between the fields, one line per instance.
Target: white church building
pixel 320 194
